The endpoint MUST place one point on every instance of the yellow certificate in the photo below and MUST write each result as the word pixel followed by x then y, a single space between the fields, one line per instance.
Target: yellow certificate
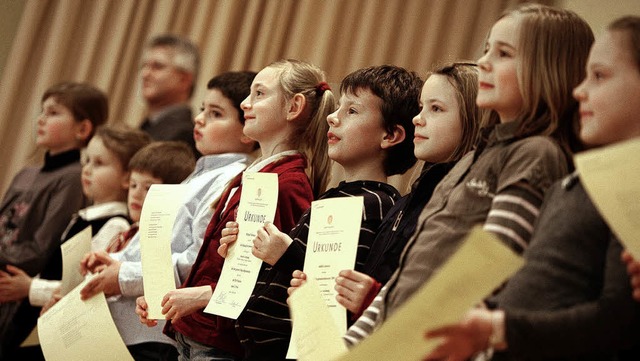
pixel 80 330
pixel 72 252
pixel 156 226
pixel 611 177
pixel 258 202
pixel 332 245
pixel 317 336
pixel 480 265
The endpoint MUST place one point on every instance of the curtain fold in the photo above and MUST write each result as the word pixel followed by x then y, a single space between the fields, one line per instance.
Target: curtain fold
pixel 101 42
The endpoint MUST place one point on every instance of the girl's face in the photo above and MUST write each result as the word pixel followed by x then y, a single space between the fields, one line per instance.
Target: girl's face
pixel 438 126
pixel 498 79
pixel 104 178
pixel 139 184
pixel 609 96
pixel 57 129
pixel 356 131
pixel 265 110
pixel 217 128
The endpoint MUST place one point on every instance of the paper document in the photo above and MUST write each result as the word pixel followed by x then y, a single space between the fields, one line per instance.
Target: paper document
pixel 332 245
pixel 81 330
pixel 156 228
pixel 480 265
pixel 258 202
pixel 611 177
pixel 73 251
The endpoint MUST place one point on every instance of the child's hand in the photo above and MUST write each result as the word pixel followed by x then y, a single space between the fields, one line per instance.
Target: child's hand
pixel 185 301
pixel 299 278
pixel 633 269
pixel 141 311
pixel 106 280
pixel 229 235
pixel 353 288
pixel 270 244
pixel 14 284
pixel 55 297
pixel 92 262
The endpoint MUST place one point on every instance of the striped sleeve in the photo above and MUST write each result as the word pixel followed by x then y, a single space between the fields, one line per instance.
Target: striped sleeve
pixel 365 325
pixel 513 214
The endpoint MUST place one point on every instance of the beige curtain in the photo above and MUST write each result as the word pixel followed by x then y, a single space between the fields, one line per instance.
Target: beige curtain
pixel 100 42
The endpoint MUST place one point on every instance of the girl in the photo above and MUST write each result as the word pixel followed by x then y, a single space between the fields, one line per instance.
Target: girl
pixel 445 130
pixel 40 200
pixel 531 63
pixel 572 299
pixel 285 113
pixel 370 136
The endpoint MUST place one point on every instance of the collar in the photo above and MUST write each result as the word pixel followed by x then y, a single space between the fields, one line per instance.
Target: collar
pixel 260 163
pixel 53 162
pixel 215 161
pixel 103 210
pixel 569 181
pixel 504 132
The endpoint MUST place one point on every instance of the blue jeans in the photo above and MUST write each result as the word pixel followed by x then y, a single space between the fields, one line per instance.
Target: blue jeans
pixel 190 350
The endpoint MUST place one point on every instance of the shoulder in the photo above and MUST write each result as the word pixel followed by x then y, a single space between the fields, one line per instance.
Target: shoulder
pixel 537 147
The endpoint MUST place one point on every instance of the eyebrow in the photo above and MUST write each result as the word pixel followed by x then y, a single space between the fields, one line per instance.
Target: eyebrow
pixel 502 43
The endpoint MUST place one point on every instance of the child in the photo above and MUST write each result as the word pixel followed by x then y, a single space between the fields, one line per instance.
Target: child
pixel 167 162
pixel 371 137
pixel 40 200
pixel 445 130
pixel 572 299
pixel 502 183
pixel 218 136
pixel 285 113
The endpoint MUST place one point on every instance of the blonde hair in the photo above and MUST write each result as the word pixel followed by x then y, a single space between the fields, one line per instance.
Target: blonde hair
pixel 309 137
pixel 553 48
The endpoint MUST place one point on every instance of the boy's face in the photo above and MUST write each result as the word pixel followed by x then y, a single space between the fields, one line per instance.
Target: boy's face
pixel 609 96
pixel 438 127
pixel 139 184
pixel 356 130
pixel 217 128
pixel 104 178
pixel 57 129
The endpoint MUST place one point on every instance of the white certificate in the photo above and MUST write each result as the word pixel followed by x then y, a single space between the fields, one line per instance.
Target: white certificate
pixel 80 330
pixel 332 245
pixel 258 202
pixel 72 252
pixel 156 226
pixel 479 266
pixel 317 336
pixel 611 177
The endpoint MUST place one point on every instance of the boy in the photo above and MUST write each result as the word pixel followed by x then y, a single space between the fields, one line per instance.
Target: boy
pixel 226 152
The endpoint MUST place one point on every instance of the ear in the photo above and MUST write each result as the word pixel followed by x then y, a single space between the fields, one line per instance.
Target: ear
pixel 186 79
pixel 393 138
pixel 297 106
pixel 83 130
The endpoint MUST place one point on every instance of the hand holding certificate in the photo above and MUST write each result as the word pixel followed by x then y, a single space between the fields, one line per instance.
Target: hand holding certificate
pixel 258 202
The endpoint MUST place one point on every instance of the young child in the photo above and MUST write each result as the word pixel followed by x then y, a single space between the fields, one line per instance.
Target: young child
pixel 226 152
pixel 531 63
pixel 371 137
pixel 40 200
pixel 166 162
pixel 572 299
pixel 445 130
pixel 285 113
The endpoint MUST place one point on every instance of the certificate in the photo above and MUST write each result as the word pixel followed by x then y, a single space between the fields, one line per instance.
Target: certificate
pixel 479 266
pixel 332 245
pixel 317 336
pixel 73 251
pixel 156 226
pixel 79 330
pixel 258 202
pixel 611 177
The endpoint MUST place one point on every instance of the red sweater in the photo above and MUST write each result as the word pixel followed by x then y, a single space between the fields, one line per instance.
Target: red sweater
pixel 294 197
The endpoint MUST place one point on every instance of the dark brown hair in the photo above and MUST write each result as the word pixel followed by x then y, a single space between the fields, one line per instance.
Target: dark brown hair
pixel 171 161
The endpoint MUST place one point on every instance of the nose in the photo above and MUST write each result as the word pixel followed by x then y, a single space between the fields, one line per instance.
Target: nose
pixel 483 63
pixel 41 119
pixel 199 119
pixel 332 119
pixel 246 103
pixel 418 121
pixel 579 93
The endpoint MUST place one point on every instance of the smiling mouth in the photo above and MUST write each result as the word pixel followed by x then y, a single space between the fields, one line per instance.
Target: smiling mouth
pixel 484 85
